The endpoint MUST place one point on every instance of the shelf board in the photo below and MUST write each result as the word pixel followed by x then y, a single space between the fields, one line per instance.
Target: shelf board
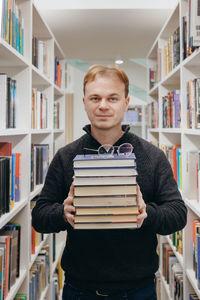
pixel 58 92
pixel 14 288
pixel 192 61
pixel 154 130
pixel 193 205
pixel 44 293
pixel 13 131
pixel 154 91
pixel 36 191
pixel 171 130
pixel 58 131
pixel 18 206
pixel 178 255
pixel 10 57
pixel 166 286
pixel 191 276
pixel 40 79
pixel 173 78
pixel 136 124
pixel 40 131
pixel 59 251
pixel 192 131
pixel 37 250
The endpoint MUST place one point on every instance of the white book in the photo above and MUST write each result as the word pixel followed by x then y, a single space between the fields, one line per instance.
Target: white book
pixel 104 180
pixel 38 109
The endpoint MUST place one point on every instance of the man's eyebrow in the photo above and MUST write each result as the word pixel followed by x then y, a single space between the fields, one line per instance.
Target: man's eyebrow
pixel 97 95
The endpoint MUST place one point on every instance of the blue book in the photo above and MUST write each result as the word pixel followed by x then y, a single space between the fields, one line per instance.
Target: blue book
pixel 198 258
pixel 13 179
pixel 104 161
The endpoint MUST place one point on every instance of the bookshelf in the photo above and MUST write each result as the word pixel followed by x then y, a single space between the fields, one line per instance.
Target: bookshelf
pixel 19 66
pixel 172 62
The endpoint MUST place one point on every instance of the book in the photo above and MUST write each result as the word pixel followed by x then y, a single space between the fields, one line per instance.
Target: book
pixel 105 218
pixel 116 171
pixel 106 210
pixel 2 270
pixel 105 190
pixel 17 177
pixel 117 200
pixel 123 225
pixel 95 160
pixel 107 180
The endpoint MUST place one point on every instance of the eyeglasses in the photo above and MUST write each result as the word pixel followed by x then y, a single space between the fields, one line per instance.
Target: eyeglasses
pixel 123 149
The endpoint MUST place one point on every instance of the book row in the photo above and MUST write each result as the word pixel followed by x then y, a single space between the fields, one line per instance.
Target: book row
pixel 9 257
pixel 39 163
pixel 57 72
pixel 56 115
pixel 39 274
pixel 39 110
pixel 191 22
pixel 12 25
pixel 171 110
pixel 174 155
pixel 8 93
pixel 9 177
pixel 169 55
pixel 172 272
pixel 193 103
pixel 41 56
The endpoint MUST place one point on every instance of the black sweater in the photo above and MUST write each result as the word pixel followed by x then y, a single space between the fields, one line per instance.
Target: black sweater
pixel 119 258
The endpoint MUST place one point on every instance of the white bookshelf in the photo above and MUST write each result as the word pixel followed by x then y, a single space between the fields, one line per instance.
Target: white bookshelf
pixel 189 139
pixel 20 67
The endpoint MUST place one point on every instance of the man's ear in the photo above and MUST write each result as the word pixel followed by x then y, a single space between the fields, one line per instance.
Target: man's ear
pixel 84 100
pixel 127 100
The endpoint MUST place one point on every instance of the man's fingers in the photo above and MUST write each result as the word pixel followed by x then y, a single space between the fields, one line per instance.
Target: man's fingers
pixel 70 219
pixel 69 208
pixel 71 191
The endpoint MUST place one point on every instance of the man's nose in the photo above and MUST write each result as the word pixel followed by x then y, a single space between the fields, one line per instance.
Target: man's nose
pixel 103 103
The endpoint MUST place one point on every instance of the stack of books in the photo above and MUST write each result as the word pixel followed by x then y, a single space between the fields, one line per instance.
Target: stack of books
pixel 105 191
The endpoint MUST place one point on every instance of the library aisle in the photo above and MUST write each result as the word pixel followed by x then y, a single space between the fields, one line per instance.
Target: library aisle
pixel 32 128
pixel 173 125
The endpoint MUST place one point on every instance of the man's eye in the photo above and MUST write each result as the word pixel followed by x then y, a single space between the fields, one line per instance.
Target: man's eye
pixel 112 99
pixel 94 98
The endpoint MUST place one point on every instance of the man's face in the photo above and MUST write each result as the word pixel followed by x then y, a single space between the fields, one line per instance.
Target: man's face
pixel 105 102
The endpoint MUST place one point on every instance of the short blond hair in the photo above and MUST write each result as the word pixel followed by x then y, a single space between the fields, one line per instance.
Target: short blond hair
pixel 101 70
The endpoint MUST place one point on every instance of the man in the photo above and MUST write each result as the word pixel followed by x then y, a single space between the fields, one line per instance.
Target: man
pixel 110 264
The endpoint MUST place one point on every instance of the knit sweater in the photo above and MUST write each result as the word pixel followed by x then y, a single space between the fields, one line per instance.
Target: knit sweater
pixel 119 258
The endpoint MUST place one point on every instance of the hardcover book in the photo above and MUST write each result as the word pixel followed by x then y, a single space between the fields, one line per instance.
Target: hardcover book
pixel 116 200
pixel 95 160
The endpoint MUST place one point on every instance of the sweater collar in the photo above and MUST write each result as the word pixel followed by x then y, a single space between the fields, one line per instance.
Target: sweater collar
pixel 87 129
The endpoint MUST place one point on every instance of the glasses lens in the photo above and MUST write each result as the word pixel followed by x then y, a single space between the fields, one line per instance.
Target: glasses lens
pixel 106 149
pixel 125 149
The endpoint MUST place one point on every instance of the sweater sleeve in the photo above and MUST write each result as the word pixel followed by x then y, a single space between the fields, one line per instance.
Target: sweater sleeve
pixel 167 213
pixel 47 215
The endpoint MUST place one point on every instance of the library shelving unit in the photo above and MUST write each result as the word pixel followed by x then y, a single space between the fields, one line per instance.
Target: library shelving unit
pixel 20 67
pixel 172 69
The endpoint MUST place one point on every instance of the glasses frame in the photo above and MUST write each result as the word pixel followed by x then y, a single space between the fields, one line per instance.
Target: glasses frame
pixel 112 149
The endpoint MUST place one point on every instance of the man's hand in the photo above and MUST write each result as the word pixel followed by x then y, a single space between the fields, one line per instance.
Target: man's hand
pixel 69 209
pixel 141 207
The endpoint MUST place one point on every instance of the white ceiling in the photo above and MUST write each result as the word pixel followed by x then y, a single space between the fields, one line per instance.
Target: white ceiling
pixel 101 31
pixel 105 34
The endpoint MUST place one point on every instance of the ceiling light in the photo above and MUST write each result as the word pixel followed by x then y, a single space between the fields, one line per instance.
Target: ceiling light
pixel 119 61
